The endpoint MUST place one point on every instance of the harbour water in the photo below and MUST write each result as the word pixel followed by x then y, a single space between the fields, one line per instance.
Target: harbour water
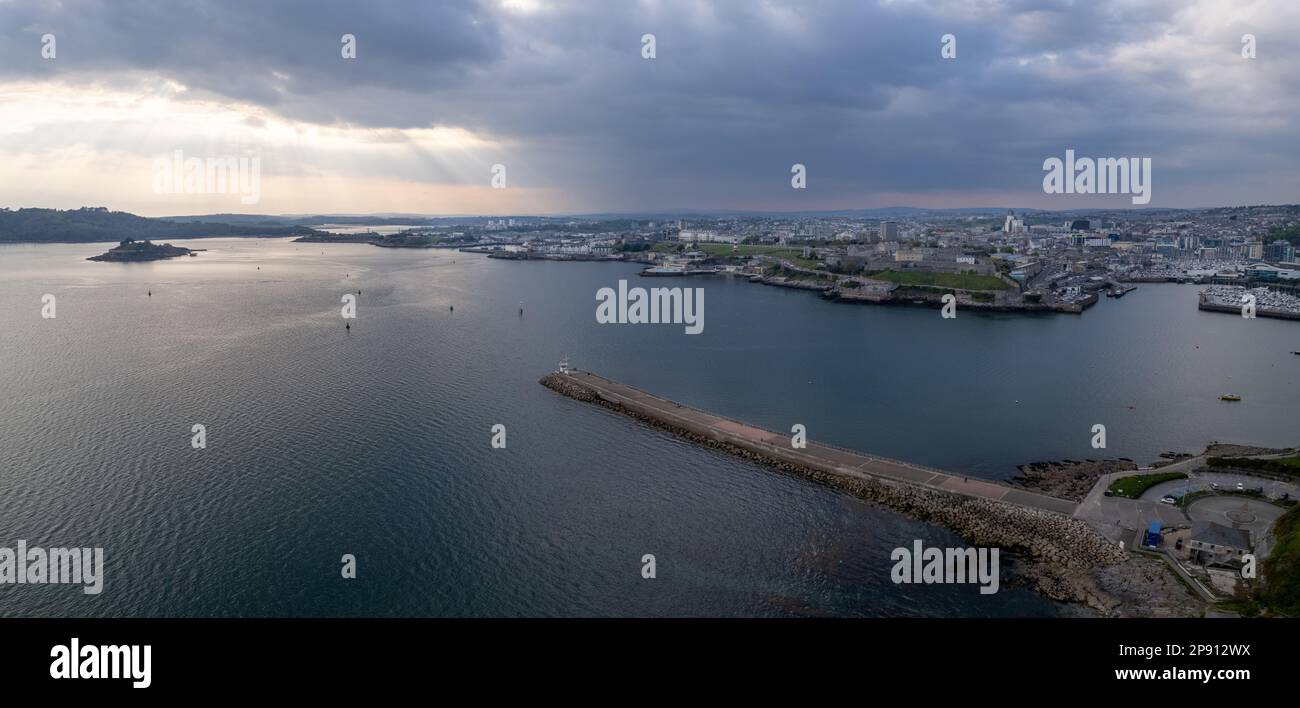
pixel 375 440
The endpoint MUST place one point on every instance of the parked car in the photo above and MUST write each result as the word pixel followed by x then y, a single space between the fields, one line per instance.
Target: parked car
pixel 1168 499
pixel 1241 487
pixel 1214 485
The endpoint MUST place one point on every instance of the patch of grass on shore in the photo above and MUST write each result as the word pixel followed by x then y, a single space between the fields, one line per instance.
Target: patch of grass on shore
pixel 1281 591
pixel 727 250
pixel 1280 465
pixel 1133 487
pixel 960 281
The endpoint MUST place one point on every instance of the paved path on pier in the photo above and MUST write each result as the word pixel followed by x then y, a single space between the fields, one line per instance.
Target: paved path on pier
pixel 818 455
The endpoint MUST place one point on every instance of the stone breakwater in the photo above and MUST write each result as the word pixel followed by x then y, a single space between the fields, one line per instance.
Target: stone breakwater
pixel 1061 551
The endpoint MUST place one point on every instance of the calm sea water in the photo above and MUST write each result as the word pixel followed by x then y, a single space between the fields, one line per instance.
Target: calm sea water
pixel 376 441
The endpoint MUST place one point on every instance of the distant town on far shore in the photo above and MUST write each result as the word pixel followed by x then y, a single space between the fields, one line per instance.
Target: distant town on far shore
pixel 991 259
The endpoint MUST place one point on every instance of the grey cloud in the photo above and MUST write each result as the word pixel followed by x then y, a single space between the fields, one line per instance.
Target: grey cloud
pixel 856 90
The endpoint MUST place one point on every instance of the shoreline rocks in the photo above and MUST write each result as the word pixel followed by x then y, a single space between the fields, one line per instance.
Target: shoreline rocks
pixel 1068 479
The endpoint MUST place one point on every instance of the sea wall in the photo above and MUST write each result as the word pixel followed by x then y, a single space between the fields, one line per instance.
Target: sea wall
pixel 1061 551
pixel 930 296
pixel 1236 310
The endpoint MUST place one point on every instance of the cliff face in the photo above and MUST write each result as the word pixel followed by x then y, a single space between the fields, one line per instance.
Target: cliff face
pixel 1061 551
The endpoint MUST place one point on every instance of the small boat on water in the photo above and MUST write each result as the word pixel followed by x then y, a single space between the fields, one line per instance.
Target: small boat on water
pixel 1229 397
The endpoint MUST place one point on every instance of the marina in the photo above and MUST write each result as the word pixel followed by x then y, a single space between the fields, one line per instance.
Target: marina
pixel 1268 302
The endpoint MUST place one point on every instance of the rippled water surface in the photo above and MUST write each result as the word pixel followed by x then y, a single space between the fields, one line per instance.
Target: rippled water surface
pixel 375 441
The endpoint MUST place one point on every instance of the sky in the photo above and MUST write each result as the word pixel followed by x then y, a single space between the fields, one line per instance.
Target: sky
pixel 562 96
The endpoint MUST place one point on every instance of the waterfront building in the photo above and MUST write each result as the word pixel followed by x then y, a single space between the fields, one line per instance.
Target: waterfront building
pixel 707 236
pixel 1279 252
pixel 1264 271
pixel 1216 543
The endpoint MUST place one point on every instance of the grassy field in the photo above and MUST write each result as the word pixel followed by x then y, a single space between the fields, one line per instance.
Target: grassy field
pixel 727 249
pixel 1133 487
pixel 794 255
pixel 724 250
pixel 960 281
pixel 1281 465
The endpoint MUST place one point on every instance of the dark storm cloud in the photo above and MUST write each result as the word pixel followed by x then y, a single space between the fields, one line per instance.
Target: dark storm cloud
pixel 266 52
pixel 741 90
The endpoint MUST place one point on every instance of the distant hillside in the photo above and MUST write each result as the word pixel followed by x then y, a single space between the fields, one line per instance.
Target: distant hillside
pixel 92 224
pixel 303 220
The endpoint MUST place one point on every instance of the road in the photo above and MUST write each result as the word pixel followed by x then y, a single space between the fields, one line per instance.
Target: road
pixel 1112 515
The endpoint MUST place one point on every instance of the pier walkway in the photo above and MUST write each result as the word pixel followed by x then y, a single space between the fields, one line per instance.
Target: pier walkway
pixel 818 455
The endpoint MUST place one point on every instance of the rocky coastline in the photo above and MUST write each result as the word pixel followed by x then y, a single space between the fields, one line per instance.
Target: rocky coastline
pixel 129 251
pixel 1068 479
